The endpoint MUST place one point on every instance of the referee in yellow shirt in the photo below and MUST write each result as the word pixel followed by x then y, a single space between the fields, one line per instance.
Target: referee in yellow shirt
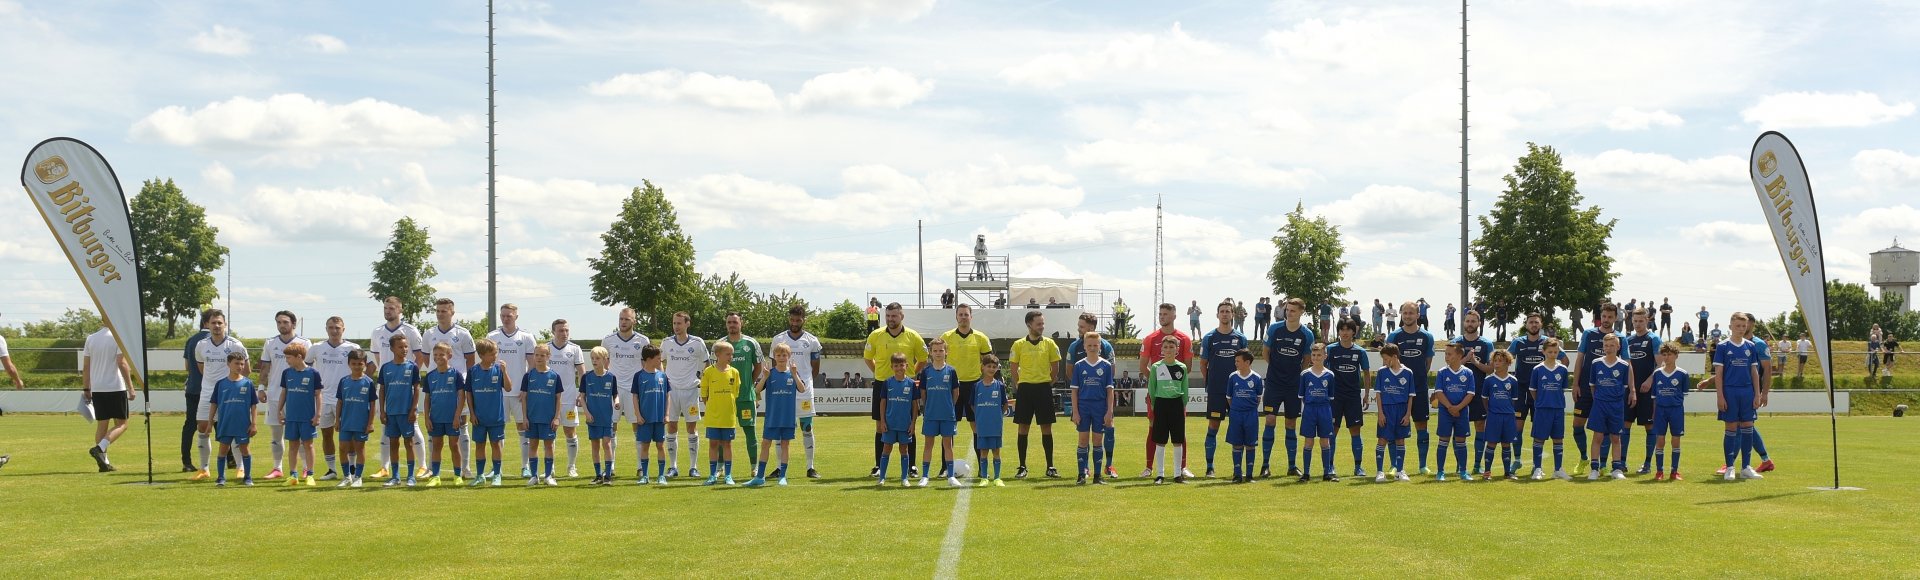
pixel 882 344
pixel 964 347
pixel 1034 360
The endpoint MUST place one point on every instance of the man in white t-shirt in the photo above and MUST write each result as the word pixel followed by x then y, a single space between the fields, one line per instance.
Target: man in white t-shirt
pixel 6 362
pixel 460 340
pixel 623 347
pixel 515 346
pixel 211 355
pixel 273 362
pixel 686 356
pixel 1802 347
pixel 806 357
pixel 329 358
pixel 566 359
pixel 104 372
pixel 376 356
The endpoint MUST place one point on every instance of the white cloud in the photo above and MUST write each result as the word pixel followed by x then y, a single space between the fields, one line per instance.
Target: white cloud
pixel 277 296
pixel 1661 169
pixel 1155 162
pixel 29 252
pixel 812 15
pixel 1129 53
pixel 864 87
pixel 218 176
pixel 1418 270
pixel 1631 119
pixel 543 258
pixel 325 43
pixel 1880 224
pixel 1727 233
pixel 222 41
pixel 1887 169
pixel 1381 210
pixel 1817 109
pixel 669 85
pixel 717 201
pixel 298 122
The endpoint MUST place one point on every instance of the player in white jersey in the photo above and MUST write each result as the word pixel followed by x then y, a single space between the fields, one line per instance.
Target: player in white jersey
pixel 567 360
pixel 806 357
pixel 516 349
pixel 624 347
pixel 211 355
pixel 686 356
pixel 329 358
pixel 459 339
pixel 273 362
pixel 377 355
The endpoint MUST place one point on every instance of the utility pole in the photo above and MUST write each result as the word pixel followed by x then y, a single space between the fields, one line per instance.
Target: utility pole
pixel 493 210
pixel 920 243
pixel 1463 157
pixel 1159 253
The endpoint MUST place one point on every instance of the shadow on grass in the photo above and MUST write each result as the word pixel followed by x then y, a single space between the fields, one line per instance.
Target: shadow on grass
pixel 1754 498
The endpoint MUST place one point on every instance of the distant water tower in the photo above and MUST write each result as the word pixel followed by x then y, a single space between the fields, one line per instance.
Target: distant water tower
pixel 1895 271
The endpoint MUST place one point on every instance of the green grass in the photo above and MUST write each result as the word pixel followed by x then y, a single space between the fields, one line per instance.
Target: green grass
pixel 59 511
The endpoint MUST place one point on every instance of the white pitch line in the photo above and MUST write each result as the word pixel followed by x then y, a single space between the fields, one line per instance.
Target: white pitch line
pixel 949 566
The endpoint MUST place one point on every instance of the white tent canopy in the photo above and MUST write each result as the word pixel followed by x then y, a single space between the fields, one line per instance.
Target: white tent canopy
pixel 1042 282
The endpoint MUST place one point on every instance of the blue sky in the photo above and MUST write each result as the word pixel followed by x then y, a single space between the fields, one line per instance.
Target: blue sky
pixel 802 138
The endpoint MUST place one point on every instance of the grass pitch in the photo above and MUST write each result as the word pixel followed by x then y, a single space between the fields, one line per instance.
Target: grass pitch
pixel 64 520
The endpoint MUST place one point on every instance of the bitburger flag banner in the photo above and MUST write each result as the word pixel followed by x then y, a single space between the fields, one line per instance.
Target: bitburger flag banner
pixel 80 198
pixel 1786 199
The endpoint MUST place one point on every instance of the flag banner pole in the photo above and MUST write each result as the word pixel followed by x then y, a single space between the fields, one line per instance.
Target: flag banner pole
pixel 1786 199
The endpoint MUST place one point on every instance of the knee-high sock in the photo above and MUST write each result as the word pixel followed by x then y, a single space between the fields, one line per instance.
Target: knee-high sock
pixel 807 439
pixel 1460 453
pixel 1479 449
pixel 913 448
pixel 1660 461
pixel 1046 445
pixel 205 446
pixel 526 451
pixel 1759 445
pixel 1676 460
pixel 1440 456
pixel 1158 463
pixel 573 451
pixel 693 450
pixel 1080 454
pixel 1179 458
pixel 1537 455
pixel 880 454
pixel 1020 442
pixel 1293 446
pixel 1651 440
pixel 1239 456
pixel 1357 446
pixel 1107 443
pixel 279 444
pixel 1400 456
pixel 1422 446
pixel 1559 455
pixel 1580 440
pixel 1506 458
pixel 1626 443
pixel 753 441
pixel 1213 442
pixel 1730 446
pixel 1326 457
pixel 1266 447
pixel 1306 462
pixel 673 451
pixel 1746 446
pixel 613 449
pixel 1380 457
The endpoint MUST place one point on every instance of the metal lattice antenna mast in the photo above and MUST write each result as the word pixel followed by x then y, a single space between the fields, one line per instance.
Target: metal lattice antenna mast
pixel 1463 156
pixel 1159 254
pixel 493 239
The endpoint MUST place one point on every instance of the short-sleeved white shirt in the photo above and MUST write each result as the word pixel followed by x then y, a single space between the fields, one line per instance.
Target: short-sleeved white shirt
pixel 274 354
pixel 566 362
pixel 684 361
pixel 514 350
pixel 457 338
pixel 104 355
pixel 213 362
pixel 380 351
pixel 3 348
pixel 330 360
pixel 625 355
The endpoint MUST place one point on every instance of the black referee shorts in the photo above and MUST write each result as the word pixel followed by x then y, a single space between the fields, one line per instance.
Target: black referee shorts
pixel 1033 403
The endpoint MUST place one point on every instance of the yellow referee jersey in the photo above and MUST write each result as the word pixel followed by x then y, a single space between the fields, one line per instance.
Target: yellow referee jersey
pixel 963 352
pixel 881 346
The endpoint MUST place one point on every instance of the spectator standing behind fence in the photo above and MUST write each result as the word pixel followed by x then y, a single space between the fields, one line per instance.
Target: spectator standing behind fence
pixel 1262 316
pixel 1888 348
pixel 1193 318
pixel 1873 352
pixel 1240 317
pixel 1801 348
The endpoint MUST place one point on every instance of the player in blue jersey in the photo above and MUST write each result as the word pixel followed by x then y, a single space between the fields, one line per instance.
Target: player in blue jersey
pixel 1317 385
pixel 780 389
pixel 1498 390
pixel 1352 393
pixel 1549 384
pixel 1669 393
pixel 353 410
pixel 1076 352
pixel 399 381
pixel 1592 343
pixel 599 390
pixel 1527 352
pixel 1478 355
pixel 1416 353
pixel 540 398
pixel 1454 390
pixel 1393 386
pixel 1092 384
pixel 1642 353
pixel 444 419
pixel 1217 353
pixel 1736 377
pixel 989 415
pixel 488 388
pixel 896 416
pixel 939 386
pixel 650 390
pixel 1244 390
pixel 1613 394
pixel 1287 344
pixel 234 399
pixel 1768 371
pixel 299 409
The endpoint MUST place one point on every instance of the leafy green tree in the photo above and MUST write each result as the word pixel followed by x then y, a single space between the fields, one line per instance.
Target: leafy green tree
pixel 403 270
pixel 646 262
pixel 1121 326
pixel 1307 260
pixel 1538 250
pixel 178 253
pixel 1852 312
pixel 846 321
pixel 74 324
